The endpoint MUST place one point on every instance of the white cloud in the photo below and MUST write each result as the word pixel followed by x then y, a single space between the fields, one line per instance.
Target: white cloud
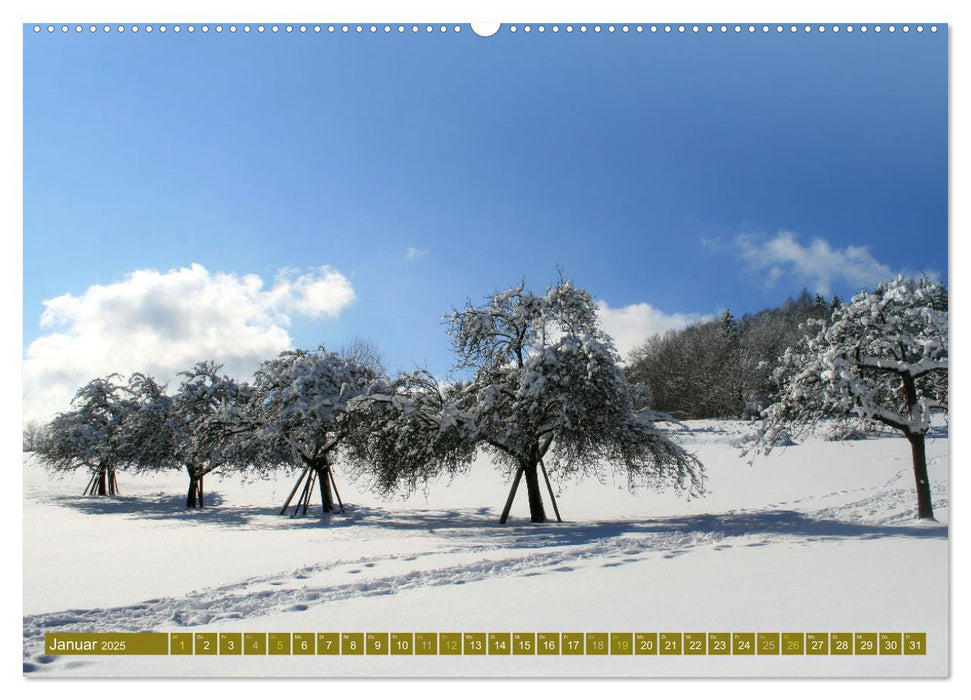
pixel 414 254
pixel 631 325
pixel 161 323
pixel 817 265
pixel 712 243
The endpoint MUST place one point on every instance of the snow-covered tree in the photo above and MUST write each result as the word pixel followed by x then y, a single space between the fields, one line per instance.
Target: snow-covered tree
pixel 92 435
pixel 410 431
pixel 297 416
pixel 882 358
pixel 35 432
pixel 205 397
pixel 150 428
pixel 547 396
pixel 181 431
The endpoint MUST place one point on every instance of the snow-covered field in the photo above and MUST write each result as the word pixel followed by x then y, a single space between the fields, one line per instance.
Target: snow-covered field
pixel 817 537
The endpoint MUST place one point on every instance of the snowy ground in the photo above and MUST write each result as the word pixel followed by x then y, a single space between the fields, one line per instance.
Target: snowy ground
pixel 818 537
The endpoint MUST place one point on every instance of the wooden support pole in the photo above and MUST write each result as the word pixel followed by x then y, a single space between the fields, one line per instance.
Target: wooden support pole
pixel 90 485
pixel 308 494
pixel 295 487
pixel 336 492
pixel 512 495
pixel 303 496
pixel 550 488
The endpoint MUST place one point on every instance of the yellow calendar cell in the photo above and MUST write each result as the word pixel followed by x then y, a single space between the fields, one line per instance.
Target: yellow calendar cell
pixel 328 643
pixel 621 643
pixel 645 643
pixel 426 643
pixel 743 643
pixel 474 643
pixel 376 643
pixel 915 643
pixel 891 643
pixel 180 643
pixel 865 643
pixel 230 643
pixel 817 643
pixel 793 643
pixel 402 643
pixel 841 643
pixel 572 643
pixel 205 643
pixel 500 643
pixel 548 643
pixel 304 643
pixel 523 643
pixel 719 643
pixel 254 643
pixel 669 643
pixel 694 643
pixel 352 643
pixel 597 643
pixel 450 643
pixel 768 643
pixel 279 643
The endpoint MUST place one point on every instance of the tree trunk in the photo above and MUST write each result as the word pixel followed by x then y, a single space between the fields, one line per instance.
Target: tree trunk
pixel 326 494
pixel 925 509
pixel 537 513
pixel 102 486
pixel 190 499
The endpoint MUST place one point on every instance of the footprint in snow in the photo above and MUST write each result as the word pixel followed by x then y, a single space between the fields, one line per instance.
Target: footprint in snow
pixel 563 568
pixel 301 576
pixel 299 608
pixel 354 571
pixel 46 659
pixel 610 564
pixel 29 667
pixel 369 564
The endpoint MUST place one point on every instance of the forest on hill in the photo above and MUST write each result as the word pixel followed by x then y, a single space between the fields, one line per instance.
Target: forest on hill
pixel 722 367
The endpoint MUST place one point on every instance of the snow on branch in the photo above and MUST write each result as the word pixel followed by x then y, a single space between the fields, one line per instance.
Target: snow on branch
pixel 882 357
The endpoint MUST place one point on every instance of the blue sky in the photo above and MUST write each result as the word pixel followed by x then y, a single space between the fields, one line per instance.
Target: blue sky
pixel 671 175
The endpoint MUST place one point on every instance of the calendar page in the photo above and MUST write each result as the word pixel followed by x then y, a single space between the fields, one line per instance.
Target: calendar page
pixel 429 349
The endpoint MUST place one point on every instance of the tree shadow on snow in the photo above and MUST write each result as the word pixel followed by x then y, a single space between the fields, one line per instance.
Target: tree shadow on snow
pixel 162 506
pixel 481 524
